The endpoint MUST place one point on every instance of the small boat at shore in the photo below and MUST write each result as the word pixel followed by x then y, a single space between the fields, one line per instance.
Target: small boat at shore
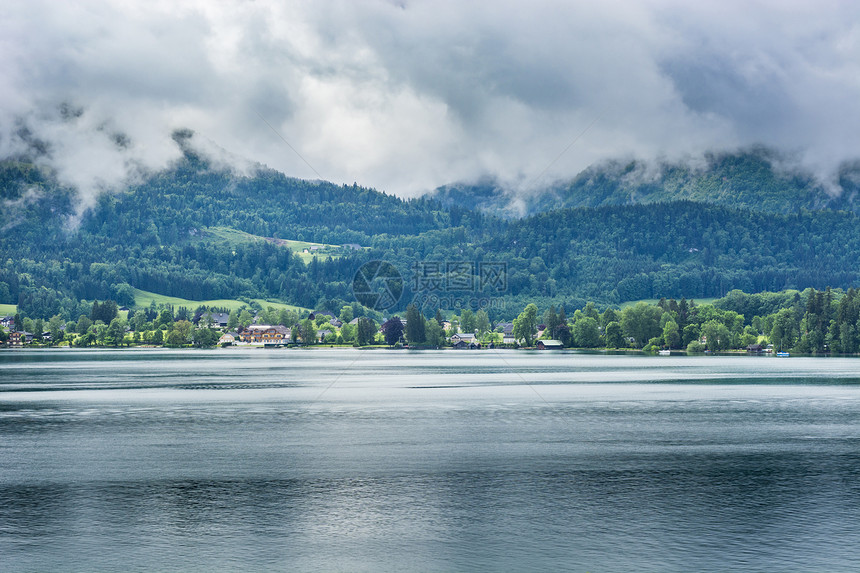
pixel 783 354
pixel 664 352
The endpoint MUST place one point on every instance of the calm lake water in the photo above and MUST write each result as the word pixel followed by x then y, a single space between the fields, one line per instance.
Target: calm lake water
pixel 347 460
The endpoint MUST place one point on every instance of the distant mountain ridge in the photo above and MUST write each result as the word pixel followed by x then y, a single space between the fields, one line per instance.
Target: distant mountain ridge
pixel 753 179
pixel 195 231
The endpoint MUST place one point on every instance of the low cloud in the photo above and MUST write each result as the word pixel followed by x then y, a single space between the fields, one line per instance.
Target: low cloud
pixel 406 96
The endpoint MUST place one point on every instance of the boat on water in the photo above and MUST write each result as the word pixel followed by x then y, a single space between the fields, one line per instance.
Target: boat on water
pixel 783 354
pixel 664 352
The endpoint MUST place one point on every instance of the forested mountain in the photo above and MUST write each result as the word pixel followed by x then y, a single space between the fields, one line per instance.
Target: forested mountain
pixel 687 249
pixel 152 237
pixel 166 235
pixel 755 179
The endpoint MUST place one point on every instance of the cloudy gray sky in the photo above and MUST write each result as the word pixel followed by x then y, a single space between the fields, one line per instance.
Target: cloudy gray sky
pixel 408 95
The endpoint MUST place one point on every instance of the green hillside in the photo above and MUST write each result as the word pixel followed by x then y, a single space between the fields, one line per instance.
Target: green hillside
pixel 197 235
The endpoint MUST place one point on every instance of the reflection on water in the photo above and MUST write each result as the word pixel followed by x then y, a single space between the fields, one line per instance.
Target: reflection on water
pixel 433 461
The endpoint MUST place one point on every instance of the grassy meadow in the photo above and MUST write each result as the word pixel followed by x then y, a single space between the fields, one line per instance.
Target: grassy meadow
pixel 144 298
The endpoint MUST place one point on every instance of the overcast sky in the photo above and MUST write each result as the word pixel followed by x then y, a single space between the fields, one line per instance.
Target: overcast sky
pixel 408 95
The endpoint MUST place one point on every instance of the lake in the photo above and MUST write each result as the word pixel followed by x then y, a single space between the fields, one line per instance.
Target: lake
pixel 375 460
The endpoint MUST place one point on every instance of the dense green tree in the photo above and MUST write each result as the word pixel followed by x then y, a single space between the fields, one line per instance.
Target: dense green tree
pixel 123 294
pixel 183 327
pixel 671 336
pixel 482 322
pixel 683 314
pixel 562 319
pixel 747 338
pixel 366 331
pixel 590 311
pixel 415 329
pixel 308 331
pixel 434 335
pixel 717 336
pixel 525 325
pixel 551 322
pixel 138 320
pixel 115 332
pixel 204 337
pixel 696 346
pixel 609 315
pixel 83 325
pixel 175 339
pixel 467 321
pixel 86 339
pixel 847 337
pixel 586 333
pixel 614 335
pixel 691 333
pixel 348 332
pixel 105 311
pixel 564 334
pixel 784 332
pixel 55 326
pixel 641 322
pixel 287 317
pixel 165 317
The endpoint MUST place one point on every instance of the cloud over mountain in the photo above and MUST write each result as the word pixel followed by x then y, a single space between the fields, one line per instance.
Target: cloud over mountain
pixel 406 96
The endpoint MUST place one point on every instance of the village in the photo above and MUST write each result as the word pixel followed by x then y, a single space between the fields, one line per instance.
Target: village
pixel 662 327
pixel 209 329
pixel 330 332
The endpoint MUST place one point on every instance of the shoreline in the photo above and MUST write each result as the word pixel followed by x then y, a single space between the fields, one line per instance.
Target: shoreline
pixel 324 347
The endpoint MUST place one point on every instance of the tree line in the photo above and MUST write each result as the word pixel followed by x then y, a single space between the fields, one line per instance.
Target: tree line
pixel 809 321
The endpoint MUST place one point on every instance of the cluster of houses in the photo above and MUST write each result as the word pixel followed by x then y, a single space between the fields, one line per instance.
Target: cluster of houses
pixel 277 335
pixel 470 341
pixel 258 333
pixel 269 335
pixel 17 339
pixel 328 248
